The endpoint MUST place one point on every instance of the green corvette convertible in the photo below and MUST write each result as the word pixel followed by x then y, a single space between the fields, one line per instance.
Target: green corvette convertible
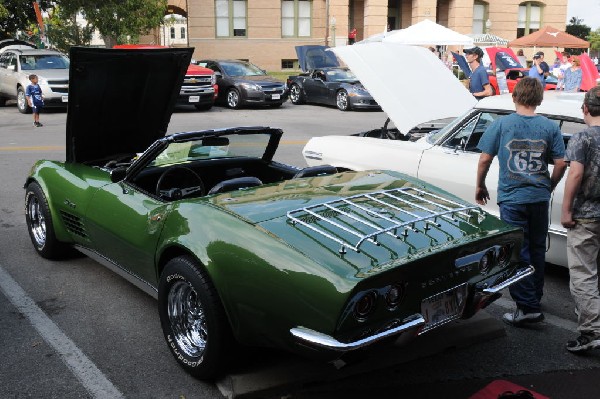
pixel 238 248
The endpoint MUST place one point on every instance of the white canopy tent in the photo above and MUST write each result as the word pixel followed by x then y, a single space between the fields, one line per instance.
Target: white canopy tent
pixel 412 92
pixel 426 33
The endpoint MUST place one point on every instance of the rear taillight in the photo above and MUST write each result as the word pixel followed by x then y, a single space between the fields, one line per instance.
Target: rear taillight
pixel 365 305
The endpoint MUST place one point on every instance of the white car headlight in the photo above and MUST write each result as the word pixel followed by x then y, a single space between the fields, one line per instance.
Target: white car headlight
pixel 42 81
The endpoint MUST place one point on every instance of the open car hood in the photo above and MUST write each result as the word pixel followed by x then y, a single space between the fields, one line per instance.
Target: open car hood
pixel 503 58
pixel 411 93
pixel 120 101
pixel 312 57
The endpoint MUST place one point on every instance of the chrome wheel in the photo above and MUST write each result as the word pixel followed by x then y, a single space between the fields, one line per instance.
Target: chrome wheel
pixel 233 98
pixel 342 100
pixel 37 221
pixel 295 94
pixel 187 318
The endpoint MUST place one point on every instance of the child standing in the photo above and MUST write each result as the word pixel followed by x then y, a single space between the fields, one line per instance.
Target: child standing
pixel 35 99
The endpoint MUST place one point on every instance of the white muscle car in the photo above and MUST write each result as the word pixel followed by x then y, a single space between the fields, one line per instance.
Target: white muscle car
pixel 447 157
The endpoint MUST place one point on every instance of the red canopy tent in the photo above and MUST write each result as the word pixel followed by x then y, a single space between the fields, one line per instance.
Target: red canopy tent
pixel 549 37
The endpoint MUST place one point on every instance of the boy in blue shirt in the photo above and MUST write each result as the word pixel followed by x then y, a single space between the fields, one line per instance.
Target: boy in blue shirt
pixel 524 142
pixel 35 99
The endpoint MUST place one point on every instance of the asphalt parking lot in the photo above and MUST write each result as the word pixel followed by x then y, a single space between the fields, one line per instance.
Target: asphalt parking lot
pixel 97 336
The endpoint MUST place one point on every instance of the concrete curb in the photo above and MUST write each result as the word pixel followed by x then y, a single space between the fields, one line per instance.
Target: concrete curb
pixel 284 372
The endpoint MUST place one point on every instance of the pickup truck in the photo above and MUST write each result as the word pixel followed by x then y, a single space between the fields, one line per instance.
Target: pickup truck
pixel 199 86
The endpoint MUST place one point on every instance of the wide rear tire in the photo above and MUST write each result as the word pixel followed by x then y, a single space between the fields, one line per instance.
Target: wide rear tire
pixel 193 320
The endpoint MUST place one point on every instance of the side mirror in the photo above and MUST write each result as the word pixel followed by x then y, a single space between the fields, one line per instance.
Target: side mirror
pixel 118 174
pixel 218 74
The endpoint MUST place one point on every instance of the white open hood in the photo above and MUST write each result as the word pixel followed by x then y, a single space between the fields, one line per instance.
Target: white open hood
pixel 409 83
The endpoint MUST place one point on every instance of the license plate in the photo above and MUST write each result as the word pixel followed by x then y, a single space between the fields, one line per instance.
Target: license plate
pixel 65 99
pixel 194 99
pixel 443 307
pixel 275 96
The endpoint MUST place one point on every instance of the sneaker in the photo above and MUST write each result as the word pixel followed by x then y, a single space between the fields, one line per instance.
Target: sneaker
pixel 35 124
pixel 519 318
pixel 583 343
pixel 39 124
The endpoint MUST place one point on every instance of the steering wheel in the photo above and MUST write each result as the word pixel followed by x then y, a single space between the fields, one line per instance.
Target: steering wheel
pixel 179 182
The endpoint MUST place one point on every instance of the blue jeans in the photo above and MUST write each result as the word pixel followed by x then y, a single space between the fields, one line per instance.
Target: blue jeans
pixel 533 219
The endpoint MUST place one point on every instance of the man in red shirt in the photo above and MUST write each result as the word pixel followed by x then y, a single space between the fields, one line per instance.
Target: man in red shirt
pixel 352 36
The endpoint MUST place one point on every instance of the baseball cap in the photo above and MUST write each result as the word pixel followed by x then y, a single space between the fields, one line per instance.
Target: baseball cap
pixel 474 50
pixel 539 54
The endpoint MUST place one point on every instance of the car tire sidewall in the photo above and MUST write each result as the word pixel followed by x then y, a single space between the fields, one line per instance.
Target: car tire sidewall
pixel 337 103
pixel 298 95
pixel 236 93
pixel 51 248
pixel 22 105
pixel 212 361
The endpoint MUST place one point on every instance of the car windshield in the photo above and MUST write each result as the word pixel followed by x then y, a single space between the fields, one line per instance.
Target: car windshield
pixel 340 75
pixel 241 69
pixel 213 147
pixel 436 135
pixel 43 61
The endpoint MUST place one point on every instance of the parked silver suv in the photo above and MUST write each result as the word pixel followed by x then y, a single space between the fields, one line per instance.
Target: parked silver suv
pixel 51 67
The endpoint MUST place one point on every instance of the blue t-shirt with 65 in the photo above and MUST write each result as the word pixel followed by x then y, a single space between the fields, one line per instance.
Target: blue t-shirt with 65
pixel 524 145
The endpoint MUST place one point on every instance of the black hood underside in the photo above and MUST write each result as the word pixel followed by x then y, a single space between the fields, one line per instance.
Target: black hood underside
pixel 121 101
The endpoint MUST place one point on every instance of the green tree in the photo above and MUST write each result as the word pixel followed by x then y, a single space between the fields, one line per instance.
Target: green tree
pixel 594 39
pixel 577 28
pixel 118 19
pixel 3 11
pixel 19 15
pixel 63 31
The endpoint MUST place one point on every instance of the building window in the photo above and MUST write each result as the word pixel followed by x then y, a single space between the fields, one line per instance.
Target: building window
pixel 231 17
pixel 295 18
pixel 182 33
pixel 289 64
pixel 480 15
pixel 530 18
pixel 172 33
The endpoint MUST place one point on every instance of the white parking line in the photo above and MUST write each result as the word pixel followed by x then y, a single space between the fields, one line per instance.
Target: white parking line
pixel 548 318
pixel 83 368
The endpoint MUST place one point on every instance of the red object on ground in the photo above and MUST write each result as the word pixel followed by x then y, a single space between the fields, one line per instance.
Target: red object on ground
pixel 498 387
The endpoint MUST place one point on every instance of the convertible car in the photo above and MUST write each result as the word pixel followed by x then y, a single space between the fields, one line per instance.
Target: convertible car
pixel 445 157
pixel 239 248
pixel 324 81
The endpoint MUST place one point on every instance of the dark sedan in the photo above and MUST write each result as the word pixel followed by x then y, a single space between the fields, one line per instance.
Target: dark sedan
pixel 325 82
pixel 243 83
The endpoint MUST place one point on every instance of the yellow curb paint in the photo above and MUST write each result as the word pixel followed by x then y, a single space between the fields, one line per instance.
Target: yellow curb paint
pixel 34 148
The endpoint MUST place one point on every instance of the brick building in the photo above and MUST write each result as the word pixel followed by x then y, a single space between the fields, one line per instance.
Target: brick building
pixel 266 31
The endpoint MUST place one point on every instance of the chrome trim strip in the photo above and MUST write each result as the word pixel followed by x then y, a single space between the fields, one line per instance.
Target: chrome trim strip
pixel 526 271
pixel 121 271
pixel 315 338
pixel 562 233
